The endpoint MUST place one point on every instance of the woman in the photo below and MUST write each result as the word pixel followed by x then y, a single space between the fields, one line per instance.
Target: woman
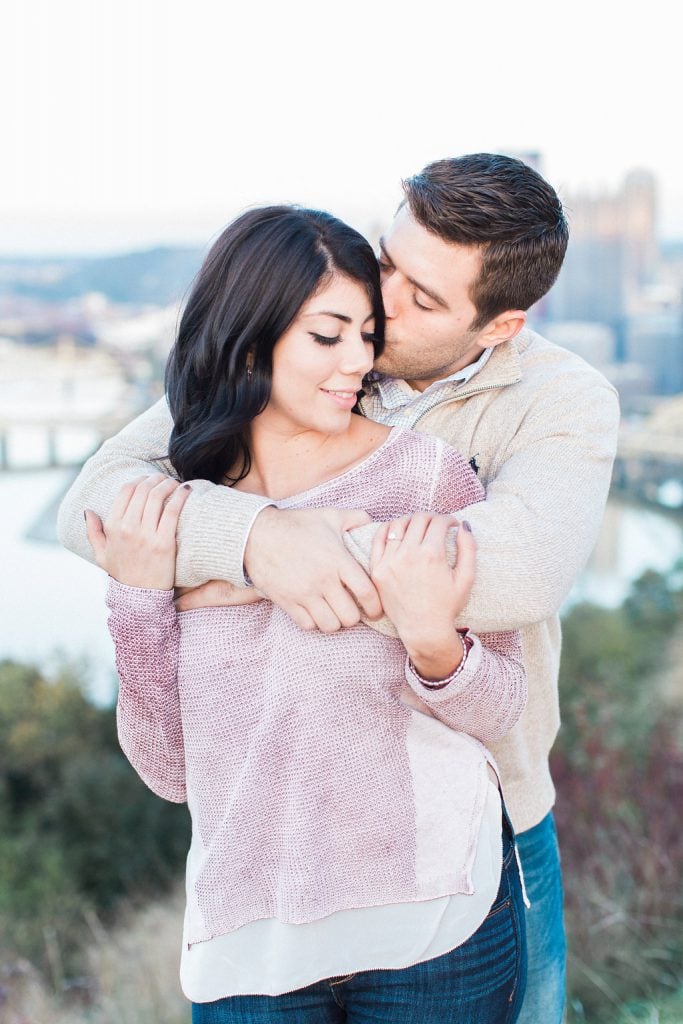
pixel 346 850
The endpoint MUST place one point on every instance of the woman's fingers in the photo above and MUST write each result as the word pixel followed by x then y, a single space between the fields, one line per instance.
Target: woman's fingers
pixel 465 565
pixel 436 532
pixel 96 536
pixel 379 544
pixel 157 501
pixel 416 528
pixel 133 515
pixel 388 538
pixel 123 499
pixel 170 513
pixel 403 535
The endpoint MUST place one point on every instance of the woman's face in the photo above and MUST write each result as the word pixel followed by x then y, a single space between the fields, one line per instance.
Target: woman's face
pixel 320 361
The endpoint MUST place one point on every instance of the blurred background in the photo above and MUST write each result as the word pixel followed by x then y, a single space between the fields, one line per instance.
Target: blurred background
pixel 131 133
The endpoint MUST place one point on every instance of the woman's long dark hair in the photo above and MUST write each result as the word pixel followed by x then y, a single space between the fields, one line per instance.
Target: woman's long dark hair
pixel 256 278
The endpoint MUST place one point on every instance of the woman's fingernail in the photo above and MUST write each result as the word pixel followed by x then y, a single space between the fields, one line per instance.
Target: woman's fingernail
pixel 186 487
pixel 466 526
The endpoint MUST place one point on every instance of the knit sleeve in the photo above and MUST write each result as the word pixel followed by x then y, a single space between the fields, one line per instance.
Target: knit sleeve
pixel 487 696
pixel 145 631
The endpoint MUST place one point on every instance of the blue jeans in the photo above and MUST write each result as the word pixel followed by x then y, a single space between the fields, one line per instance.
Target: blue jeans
pixel 546 944
pixel 480 982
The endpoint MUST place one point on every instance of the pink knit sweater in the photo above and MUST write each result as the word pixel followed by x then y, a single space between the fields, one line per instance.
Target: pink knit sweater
pixel 320 771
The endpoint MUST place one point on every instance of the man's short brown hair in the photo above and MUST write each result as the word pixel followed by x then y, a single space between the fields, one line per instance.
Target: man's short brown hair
pixel 508 211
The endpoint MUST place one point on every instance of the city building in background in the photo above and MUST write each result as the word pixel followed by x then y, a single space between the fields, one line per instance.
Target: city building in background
pixel 83 345
pixel 83 342
pixel 618 301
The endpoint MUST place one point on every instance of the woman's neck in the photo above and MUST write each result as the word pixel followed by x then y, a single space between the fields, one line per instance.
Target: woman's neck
pixel 283 464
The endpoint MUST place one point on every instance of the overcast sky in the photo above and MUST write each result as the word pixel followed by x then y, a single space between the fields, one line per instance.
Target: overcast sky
pixel 130 122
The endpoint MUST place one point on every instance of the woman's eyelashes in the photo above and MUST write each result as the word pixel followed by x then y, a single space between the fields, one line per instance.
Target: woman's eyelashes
pixel 323 339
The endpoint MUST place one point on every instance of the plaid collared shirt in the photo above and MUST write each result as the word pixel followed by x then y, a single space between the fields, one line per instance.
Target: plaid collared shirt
pixel 396 404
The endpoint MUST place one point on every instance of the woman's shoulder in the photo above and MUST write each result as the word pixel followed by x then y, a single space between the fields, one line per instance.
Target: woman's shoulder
pixel 426 445
pixel 449 480
pixel 391 443
pixel 426 452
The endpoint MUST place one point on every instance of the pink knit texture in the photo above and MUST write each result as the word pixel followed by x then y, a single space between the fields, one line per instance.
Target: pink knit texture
pixel 303 756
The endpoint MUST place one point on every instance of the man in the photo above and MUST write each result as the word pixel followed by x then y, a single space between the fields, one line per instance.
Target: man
pixel 477 241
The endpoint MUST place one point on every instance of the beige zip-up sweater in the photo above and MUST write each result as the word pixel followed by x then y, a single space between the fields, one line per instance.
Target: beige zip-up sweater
pixel 542 426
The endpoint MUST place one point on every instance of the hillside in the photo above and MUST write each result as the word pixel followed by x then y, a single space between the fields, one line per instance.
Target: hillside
pixel 156 276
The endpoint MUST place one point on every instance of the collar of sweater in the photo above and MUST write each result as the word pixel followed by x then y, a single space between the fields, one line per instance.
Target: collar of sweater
pixel 504 367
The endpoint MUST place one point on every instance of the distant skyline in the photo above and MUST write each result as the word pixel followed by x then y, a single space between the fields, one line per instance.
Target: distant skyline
pixel 129 123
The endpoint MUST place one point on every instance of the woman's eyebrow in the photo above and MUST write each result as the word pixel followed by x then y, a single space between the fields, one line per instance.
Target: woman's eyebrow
pixel 338 316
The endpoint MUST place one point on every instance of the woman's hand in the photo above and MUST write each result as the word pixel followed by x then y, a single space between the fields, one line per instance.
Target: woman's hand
pixel 137 544
pixel 420 592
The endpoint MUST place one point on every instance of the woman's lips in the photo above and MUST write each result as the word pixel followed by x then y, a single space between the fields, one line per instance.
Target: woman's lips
pixel 345 399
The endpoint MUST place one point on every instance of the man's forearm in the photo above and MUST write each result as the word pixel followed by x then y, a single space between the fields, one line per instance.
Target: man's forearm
pixel 215 522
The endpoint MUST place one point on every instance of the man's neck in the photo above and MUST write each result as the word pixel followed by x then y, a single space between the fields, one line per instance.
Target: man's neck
pixel 468 362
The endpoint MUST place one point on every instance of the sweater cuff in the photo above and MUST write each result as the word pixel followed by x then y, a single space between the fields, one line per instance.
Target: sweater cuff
pixel 213 546
pixel 457 681
pixel 138 600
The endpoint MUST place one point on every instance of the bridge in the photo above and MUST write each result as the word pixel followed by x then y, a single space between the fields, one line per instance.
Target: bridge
pixel 650 456
pixel 56 442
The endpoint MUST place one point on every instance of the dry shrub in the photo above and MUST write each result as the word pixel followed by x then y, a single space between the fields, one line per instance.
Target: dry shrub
pixel 622 850
pixel 132 976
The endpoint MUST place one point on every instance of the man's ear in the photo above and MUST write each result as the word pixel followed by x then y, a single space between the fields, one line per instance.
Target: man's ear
pixel 502 328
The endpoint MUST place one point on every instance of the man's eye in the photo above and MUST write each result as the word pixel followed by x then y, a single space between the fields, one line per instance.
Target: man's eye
pixel 383 265
pixel 419 305
pixel 322 339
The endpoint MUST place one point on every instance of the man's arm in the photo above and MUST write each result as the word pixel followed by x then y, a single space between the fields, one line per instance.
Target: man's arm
pixel 296 557
pixel 207 547
pixel 542 513
pixel 535 531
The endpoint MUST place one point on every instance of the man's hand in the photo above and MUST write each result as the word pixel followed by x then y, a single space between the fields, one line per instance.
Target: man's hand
pixel 214 594
pixel 297 559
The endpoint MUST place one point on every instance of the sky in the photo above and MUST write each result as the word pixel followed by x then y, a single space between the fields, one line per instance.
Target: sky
pixel 128 123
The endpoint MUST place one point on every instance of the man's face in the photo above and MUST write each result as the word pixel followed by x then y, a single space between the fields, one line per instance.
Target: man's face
pixel 426 289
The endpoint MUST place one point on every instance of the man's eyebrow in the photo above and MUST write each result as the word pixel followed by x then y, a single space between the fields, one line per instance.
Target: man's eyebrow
pixel 338 316
pixel 427 291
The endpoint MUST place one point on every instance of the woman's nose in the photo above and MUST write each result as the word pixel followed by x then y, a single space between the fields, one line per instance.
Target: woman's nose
pixel 358 357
